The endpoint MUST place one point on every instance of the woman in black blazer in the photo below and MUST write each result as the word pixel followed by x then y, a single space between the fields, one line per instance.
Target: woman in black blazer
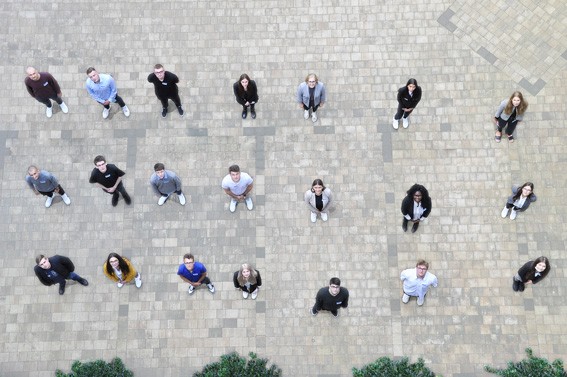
pixel 246 94
pixel 531 273
pixel 416 206
pixel 408 98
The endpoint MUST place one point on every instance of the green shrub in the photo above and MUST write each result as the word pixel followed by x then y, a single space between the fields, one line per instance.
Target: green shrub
pixel 97 368
pixel 232 365
pixel 386 367
pixel 530 367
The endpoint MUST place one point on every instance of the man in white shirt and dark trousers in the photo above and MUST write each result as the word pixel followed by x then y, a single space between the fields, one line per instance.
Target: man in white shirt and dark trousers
pixel 238 185
pixel 416 281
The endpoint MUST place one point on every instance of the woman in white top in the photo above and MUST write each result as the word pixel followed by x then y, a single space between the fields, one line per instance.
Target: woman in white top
pixel 318 199
pixel 520 200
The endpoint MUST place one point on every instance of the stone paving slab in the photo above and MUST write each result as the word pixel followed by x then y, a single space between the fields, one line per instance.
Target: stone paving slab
pixel 363 52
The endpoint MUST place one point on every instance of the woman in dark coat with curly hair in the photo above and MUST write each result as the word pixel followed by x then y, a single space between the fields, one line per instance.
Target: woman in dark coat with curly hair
pixel 416 206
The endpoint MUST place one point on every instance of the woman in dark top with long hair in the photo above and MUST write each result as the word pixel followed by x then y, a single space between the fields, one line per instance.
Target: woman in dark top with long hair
pixel 509 114
pixel 416 206
pixel 408 98
pixel 531 273
pixel 246 94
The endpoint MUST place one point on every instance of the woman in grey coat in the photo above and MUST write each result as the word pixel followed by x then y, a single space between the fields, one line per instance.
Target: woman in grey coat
pixel 310 96
pixel 509 114
pixel 520 200
pixel 318 199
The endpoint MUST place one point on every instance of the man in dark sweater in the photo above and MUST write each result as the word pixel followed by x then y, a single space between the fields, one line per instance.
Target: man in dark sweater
pixel 109 178
pixel 56 270
pixel 165 84
pixel 331 298
pixel 44 88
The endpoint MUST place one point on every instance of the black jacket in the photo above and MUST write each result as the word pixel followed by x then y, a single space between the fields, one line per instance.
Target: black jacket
pixel 250 95
pixel 243 287
pixel 60 264
pixel 407 206
pixel 526 269
pixel 405 100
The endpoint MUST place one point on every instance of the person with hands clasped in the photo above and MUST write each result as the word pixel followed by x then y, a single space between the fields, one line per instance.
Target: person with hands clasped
pixel 120 270
pixel 248 280
pixel 311 96
pixel 318 199
pixel 238 185
pixel 416 206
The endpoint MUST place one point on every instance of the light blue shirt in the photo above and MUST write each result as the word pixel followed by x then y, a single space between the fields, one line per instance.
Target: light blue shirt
pixel 103 90
pixel 414 286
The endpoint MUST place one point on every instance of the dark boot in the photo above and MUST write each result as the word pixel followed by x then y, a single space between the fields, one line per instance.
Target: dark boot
pixel 405 225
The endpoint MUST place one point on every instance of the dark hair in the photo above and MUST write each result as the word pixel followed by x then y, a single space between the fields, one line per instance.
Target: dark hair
pixel 121 264
pixel 39 258
pixel 158 66
pixel 90 69
pixel 522 107
pixel 189 256
pixel 422 262
pixel 412 82
pixel 234 169
pixel 417 187
pixel 99 158
pixel 531 274
pixel 335 281
pixel 159 166
pixel 318 182
pixel 519 192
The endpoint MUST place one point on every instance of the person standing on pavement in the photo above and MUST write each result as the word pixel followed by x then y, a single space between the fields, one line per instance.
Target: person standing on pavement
pixel 521 198
pixel 164 183
pixel 43 87
pixel 246 94
pixel 416 281
pixel 194 273
pixel 408 98
pixel 238 185
pixel 318 199
pixel 165 85
pixel 331 298
pixel 56 270
pixel 311 96
pixel 109 178
pixel 416 206
pixel 248 280
pixel 44 183
pixel 102 88
pixel 120 270
pixel 531 272
pixel 508 115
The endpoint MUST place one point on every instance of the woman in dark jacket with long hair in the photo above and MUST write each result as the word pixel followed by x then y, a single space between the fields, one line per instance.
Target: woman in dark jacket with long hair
pixel 248 280
pixel 416 206
pixel 246 94
pixel 531 272
pixel 408 98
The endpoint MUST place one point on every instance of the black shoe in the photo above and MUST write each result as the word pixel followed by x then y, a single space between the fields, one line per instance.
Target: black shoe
pixel 127 198
pixel 335 313
pixel 163 113
pixel 312 312
pixel 180 110
pixel 414 227
pixel 244 113
pixel 515 285
pixel 253 113
pixel 61 289
pixel 83 282
pixel 115 197
pixel 405 225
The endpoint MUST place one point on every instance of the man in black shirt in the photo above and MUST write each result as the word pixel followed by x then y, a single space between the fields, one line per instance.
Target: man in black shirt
pixel 56 270
pixel 109 178
pixel 165 84
pixel 331 298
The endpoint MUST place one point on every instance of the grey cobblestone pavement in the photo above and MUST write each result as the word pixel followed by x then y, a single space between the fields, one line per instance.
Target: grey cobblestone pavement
pixel 466 55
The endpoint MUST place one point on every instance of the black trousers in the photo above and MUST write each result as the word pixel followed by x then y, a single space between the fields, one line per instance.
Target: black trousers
pixel 119 101
pixel 174 97
pixel 50 193
pixel 47 101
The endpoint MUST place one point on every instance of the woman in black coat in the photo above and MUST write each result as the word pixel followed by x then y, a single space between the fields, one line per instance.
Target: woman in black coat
pixel 531 273
pixel 246 94
pixel 408 98
pixel 416 206
pixel 248 280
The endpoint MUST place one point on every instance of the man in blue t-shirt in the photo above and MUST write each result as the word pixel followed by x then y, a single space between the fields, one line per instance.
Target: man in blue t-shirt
pixel 194 273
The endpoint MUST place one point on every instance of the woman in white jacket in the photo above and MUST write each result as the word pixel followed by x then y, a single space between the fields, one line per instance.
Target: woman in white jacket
pixel 318 199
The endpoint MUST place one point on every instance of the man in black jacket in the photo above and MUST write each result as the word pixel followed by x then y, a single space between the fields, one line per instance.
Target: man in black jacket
pixel 56 270
pixel 165 85
pixel 331 298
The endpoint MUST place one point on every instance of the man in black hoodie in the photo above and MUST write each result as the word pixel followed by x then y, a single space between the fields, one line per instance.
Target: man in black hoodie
pixel 56 270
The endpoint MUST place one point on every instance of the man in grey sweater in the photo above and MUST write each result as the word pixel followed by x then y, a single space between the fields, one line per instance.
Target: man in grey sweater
pixel 44 183
pixel 164 183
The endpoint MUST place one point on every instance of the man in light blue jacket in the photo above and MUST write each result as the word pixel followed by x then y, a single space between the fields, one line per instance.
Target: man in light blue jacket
pixel 311 95
pixel 102 88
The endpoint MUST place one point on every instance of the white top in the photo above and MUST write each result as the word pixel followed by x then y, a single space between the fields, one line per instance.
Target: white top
pixel 237 188
pixel 414 286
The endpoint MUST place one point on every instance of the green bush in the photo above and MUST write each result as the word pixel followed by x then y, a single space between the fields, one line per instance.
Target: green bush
pixel 232 365
pixel 386 367
pixel 530 367
pixel 97 368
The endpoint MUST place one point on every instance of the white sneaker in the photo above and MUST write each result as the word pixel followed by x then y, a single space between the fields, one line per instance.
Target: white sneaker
pixel 245 294
pixel 420 301
pixel 314 117
pixel 162 199
pixel 64 108
pixel 313 217
pixel 126 111
pixel 49 112
pixel 182 200
pixel 306 114
pixel 249 204
pixel 405 298
pixel 191 289
pixel 120 284
pixel 504 213
pixel 211 288
pixel 105 112
pixel 513 215
pixel 324 216
pixel 396 124
pixel 255 294
pixel 232 206
pixel 405 122
pixel 66 199
pixel 138 281
pixel 48 201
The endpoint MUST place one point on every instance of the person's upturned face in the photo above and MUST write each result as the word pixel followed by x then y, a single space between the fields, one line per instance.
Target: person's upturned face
pixel 160 174
pixel 101 166
pixel 526 191
pixel 189 263
pixel 235 176
pixel 244 83
pixel 160 73
pixel 516 101
pixel 94 76
pixel 311 82
pixel 417 196
pixel 540 267
pixel 421 271
pixel 114 262
pixel 317 189
pixel 44 263
pixel 34 173
pixel 33 74
pixel 246 273
pixel 334 289
pixel 411 88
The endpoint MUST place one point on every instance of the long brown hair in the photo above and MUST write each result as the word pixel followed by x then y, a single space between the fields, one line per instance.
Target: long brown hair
pixel 522 107
pixel 532 272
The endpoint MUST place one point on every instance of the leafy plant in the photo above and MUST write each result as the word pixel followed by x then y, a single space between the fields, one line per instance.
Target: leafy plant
pixel 530 367
pixel 97 368
pixel 386 367
pixel 232 365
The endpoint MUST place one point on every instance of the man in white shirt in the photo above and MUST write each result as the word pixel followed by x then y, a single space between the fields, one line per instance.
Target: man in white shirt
pixel 416 282
pixel 238 185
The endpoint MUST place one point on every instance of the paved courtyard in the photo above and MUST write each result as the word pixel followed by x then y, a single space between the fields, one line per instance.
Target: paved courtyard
pixel 467 55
